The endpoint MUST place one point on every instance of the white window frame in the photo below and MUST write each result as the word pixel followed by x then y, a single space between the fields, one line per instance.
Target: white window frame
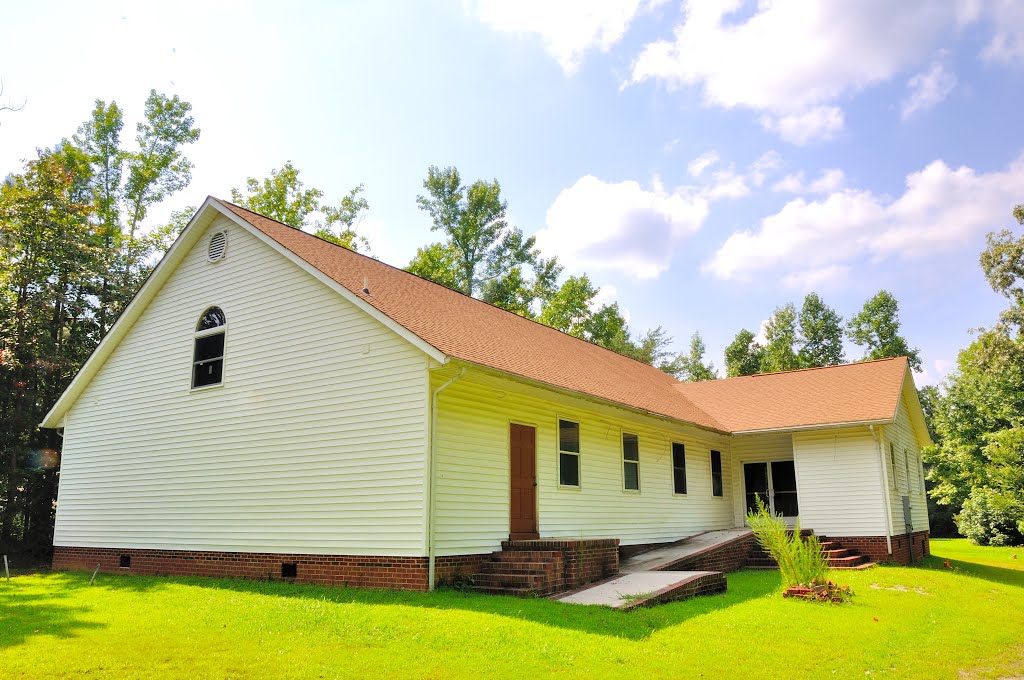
pixel 578 454
pixel 711 470
pixel 622 439
pixel 198 335
pixel 672 469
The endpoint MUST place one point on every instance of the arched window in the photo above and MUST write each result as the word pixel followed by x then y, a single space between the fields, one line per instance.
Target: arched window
pixel 208 356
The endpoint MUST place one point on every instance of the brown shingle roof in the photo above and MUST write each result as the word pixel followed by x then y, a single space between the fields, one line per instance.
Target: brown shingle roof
pixel 468 329
pixel 851 393
pixel 474 331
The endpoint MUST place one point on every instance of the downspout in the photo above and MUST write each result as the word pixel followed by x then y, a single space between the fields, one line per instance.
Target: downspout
pixel 432 457
pixel 884 475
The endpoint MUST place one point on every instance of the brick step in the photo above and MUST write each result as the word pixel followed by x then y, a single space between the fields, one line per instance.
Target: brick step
pixel 763 562
pixel 840 562
pixel 503 580
pixel 837 552
pixel 514 592
pixel 503 567
pixel 526 555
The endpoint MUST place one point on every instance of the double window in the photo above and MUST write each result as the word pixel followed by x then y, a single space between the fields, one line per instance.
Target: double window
pixel 208 352
pixel 716 474
pixel 568 453
pixel 678 468
pixel 630 462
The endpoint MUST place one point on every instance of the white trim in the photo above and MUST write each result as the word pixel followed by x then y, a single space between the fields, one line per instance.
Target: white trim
pixel 825 426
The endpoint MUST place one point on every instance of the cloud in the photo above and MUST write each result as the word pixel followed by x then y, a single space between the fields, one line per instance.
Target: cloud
pixel 727 184
pixel 1007 43
pixel 765 164
pixel 793 60
pixel 620 226
pixel 702 162
pixel 940 209
pixel 928 88
pixel 568 28
pixel 830 180
pixel 832 276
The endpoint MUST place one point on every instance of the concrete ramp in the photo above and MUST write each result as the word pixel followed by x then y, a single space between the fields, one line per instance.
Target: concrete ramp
pixel 646 588
pixel 724 550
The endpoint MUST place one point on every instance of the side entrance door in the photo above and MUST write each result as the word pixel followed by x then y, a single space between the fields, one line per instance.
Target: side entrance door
pixel 523 480
pixel 775 484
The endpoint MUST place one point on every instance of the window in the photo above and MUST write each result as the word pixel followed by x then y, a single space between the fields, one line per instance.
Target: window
pixel 716 473
pixel 630 462
pixel 678 468
pixel 906 466
pixel 892 465
pixel 208 355
pixel 568 453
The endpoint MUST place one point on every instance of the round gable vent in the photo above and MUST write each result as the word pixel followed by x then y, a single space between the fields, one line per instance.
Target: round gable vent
pixel 217 247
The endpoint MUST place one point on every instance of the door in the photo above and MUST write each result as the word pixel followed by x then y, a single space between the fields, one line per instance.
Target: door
pixel 774 484
pixel 523 482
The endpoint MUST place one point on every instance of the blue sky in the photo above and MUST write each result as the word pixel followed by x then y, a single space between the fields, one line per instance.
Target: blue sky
pixel 703 161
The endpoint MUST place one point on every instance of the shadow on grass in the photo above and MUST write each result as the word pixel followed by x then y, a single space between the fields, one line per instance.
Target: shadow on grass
pixel 634 625
pixel 50 603
pixel 1009 577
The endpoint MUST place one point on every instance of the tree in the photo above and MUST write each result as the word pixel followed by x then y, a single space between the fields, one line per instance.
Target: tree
pixel 490 257
pixel 821 334
pixel 569 309
pixel 743 356
pixel 282 197
pixel 780 333
pixel 1003 264
pixel 877 328
pixel 692 367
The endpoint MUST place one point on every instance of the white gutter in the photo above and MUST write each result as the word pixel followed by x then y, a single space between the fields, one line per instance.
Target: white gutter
pixel 432 458
pixel 883 472
pixel 822 426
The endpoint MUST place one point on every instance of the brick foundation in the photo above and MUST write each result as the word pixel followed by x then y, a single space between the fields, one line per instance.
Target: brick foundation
pixel 876 550
pixel 401 573
pixel 724 557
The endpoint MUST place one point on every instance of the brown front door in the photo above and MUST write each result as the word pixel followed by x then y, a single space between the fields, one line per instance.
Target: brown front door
pixel 523 461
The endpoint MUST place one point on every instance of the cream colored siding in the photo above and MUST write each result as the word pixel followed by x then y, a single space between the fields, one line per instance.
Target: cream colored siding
pixel 315 443
pixel 840 484
pixel 757 448
pixel 472 483
pixel 908 456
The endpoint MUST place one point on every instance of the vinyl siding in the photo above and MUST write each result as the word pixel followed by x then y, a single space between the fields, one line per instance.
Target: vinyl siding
pixel 472 468
pixel 315 442
pixel 757 448
pixel 840 485
pixel 908 455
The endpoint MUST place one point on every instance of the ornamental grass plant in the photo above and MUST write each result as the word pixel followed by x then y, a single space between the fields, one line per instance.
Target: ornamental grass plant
pixel 801 560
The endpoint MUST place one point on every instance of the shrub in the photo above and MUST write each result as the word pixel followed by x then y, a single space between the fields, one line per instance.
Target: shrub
pixel 989 517
pixel 801 561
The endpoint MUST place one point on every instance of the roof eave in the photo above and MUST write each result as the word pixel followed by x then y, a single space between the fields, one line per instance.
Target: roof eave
pixel 816 426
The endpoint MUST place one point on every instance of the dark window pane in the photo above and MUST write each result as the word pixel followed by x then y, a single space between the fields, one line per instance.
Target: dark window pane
pixel 568 469
pixel 783 476
pixel 678 467
pixel 568 436
pixel 630 447
pixel 631 476
pixel 785 504
pixel 208 373
pixel 209 347
pixel 716 473
pixel 212 318
pixel 755 483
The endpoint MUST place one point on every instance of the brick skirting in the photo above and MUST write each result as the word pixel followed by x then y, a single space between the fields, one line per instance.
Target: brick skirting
pixel 402 573
pixel 724 557
pixel 876 550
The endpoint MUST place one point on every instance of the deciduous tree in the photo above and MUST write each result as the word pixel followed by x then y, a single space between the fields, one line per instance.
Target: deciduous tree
pixel 821 334
pixel 743 356
pixel 877 328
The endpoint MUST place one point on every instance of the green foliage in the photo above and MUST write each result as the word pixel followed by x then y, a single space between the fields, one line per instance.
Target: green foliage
pixel 743 356
pixel 282 197
pixel 801 561
pixel 569 309
pixel 1003 264
pixel 821 334
pixel 990 517
pixel 692 367
pixel 780 336
pixel 877 328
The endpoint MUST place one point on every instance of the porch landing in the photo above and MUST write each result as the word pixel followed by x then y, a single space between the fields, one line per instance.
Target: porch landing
pixel 645 588
pixel 664 559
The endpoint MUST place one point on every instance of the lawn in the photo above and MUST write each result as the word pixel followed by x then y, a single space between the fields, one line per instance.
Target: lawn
pixel 927 621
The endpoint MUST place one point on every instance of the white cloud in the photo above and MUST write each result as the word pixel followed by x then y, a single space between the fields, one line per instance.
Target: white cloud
pixel 604 226
pixel 727 184
pixel 793 60
pixel 568 28
pixel 765 164
pixel 940 209
pixel 832 276
pixel 702 162
pixel 928 88
pixel 830 180
pixel 815 124
pixel 1007 43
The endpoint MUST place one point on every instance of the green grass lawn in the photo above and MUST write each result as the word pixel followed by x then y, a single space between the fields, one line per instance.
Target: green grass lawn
pixel 927 621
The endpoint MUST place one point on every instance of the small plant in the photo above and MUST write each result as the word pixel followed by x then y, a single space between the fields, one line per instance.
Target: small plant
pixel 630 598
pixel 801 561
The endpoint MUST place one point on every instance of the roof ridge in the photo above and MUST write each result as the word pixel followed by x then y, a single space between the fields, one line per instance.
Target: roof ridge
pixel 801 370
pixel 444 287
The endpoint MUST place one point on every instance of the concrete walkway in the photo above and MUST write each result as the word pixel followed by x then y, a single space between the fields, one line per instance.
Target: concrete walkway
pixel 640 588
pixel 662 559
